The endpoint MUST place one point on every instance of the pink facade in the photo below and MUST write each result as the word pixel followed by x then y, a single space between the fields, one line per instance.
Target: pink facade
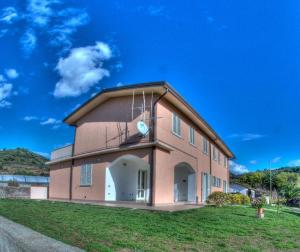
pixel 111 160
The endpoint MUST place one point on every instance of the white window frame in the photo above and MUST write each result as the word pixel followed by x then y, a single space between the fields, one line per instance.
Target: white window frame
pixel 219 157
pixel 84 181
pixel 225 186
pixel 205 145
pixel 214 153
pixel 192 136
pixel 176 125
pixel 225 161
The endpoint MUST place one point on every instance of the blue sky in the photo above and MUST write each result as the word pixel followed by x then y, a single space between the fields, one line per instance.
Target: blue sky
pixel 236 62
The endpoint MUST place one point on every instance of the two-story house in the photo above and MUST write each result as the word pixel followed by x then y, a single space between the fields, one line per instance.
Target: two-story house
pixel 141 143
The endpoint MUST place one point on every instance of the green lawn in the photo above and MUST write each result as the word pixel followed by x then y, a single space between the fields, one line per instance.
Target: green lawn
pixel 97 228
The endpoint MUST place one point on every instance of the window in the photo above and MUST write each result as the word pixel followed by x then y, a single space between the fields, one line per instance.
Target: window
pixel 219 157
pixel 192 136
pixel 219 182
pixel 86 175
pixel 205 146
pixel 225 162
pixel 214 153
pixel 225 186
pixel 216 182
pixel 176 125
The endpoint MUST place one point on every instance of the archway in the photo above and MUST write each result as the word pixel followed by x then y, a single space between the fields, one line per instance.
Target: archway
pixel 127 179
pixel 184 183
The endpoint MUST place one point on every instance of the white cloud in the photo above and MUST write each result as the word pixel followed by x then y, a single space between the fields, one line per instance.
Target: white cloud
pixel 253 162
pixel 275 160
pixel 28 41
pixel 236 168
pixel 9 15
pixel 2 78
pixel 5 93
pixel 246 136
pixel 30 118
pixel 61 33
pixel 156 10
pixel 120 84
pixel 3 32
pixel 49 18
pixel 50 121
pixel 294 162
pixel 12 73
pixel 40 11
pixel 82 69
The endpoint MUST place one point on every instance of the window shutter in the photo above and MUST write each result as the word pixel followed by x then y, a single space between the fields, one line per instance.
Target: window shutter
pixel 89 174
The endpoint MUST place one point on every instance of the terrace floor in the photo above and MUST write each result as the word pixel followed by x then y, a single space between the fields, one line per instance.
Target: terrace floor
pixel 180 206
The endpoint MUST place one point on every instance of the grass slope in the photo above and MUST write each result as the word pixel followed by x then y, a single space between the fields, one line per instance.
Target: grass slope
pixel 96 228
pixel 23 162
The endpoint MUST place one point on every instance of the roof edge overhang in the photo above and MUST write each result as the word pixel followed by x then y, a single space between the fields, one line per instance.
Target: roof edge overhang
pixel 158 87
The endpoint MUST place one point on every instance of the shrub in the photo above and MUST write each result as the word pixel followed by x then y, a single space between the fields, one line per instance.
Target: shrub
pixel 217 198
pixel 245 199
pixel 258 202
pixel 13 183
pixel 238 199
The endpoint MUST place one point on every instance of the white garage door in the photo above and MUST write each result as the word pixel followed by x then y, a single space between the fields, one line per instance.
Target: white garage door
pixel 38 192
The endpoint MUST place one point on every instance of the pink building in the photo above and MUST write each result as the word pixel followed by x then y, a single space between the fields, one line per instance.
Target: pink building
pixel 141 143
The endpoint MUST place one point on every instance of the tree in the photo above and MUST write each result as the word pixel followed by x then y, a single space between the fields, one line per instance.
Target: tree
pixel 283 179
pixel 291 191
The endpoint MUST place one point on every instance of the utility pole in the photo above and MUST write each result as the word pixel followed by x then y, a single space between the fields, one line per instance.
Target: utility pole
pixel 270 182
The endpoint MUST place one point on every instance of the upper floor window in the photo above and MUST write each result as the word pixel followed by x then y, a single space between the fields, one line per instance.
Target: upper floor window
pixel 176 125
pixel 214 153
pixel 192 136
pixel 219 157
pixel 205 146
pixel 86 175
pixel 225 162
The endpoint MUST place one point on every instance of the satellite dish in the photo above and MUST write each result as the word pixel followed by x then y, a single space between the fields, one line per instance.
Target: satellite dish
pixel 142 128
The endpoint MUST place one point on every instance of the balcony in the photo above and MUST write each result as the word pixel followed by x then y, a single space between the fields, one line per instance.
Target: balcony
pixel 62 152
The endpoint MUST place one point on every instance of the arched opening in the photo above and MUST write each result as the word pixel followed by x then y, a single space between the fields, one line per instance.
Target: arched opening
pixel 127 179
pixel 184 183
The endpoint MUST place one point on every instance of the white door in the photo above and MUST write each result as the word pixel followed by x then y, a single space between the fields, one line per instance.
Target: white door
pixel 142 185
pixel 110 189
pixel 192 187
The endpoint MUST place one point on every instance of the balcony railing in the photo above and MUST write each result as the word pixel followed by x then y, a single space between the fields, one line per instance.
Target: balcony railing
pixel 62 152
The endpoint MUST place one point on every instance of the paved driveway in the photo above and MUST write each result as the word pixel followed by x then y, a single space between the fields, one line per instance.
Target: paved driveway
pixel 17 238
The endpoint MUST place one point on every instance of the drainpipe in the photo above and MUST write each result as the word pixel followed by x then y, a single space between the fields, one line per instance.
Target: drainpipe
pixel 152 138
pixel 71 168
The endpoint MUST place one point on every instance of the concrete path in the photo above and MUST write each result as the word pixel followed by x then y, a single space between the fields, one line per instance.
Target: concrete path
pixel 17 238
pixel 135 205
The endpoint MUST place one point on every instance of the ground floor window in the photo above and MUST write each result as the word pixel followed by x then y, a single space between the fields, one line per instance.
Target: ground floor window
pixel 86 175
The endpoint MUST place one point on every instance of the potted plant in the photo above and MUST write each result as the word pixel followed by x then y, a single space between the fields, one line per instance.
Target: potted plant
pixel 258 203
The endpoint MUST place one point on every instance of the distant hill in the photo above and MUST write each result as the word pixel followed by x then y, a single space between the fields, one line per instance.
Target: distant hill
pixel 22 162
pixel 261 178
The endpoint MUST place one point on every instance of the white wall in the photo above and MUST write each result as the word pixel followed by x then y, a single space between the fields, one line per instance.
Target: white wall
pixel 122 178
pixel 38 192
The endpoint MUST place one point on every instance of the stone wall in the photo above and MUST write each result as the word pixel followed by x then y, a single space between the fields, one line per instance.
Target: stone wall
pixel 15 192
